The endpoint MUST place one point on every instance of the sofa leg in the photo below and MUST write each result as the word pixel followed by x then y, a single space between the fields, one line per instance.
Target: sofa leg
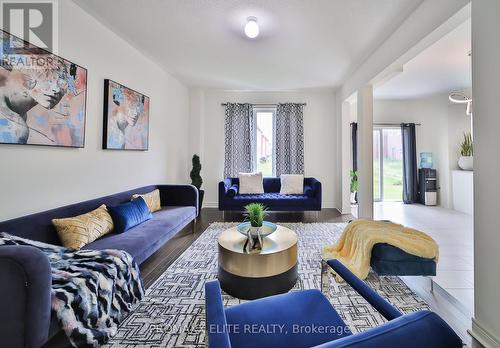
pixel 193 226
pixel 432 284
pixel 223 216
pixel 317 216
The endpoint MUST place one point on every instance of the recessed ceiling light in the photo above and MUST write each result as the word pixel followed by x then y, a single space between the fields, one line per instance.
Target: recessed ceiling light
pixel 252 28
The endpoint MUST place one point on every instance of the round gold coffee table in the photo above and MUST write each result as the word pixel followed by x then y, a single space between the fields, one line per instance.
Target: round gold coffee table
pixel 250 276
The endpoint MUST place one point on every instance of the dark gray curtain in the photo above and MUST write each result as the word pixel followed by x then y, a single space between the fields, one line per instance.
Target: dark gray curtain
pixel 410 186
pixel 239 139
pixel 289 139
pixel 354 145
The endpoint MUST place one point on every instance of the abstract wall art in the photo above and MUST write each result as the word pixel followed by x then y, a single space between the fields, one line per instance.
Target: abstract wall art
pixel 42 96
pixel 126 118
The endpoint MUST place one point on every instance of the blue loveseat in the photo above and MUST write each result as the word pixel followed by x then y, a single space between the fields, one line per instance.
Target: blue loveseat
pixel 310 200
pixel 25 274
pixel 307 319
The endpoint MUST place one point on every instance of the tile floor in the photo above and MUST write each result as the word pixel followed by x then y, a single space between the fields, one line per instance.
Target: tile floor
pixel 453 231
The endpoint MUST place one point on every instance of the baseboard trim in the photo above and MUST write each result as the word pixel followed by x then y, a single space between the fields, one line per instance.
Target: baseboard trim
pixel 345 212
pixel 482 336
pixel 339 210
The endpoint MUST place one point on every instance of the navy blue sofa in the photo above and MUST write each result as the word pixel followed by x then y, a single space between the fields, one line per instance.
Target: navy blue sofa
pixel 310 200
pixel 25 275
pixel 307 319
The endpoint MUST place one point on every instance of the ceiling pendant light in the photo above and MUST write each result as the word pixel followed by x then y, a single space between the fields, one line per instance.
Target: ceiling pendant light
pixel 252 28
pixel 461 98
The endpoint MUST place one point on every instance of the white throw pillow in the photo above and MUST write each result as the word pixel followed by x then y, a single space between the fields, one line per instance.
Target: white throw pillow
pixel 250 183
pixel 292 184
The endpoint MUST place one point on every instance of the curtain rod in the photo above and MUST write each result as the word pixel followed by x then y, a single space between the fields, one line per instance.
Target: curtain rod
pixel 276 104
pixel 393 124
pixel 390 124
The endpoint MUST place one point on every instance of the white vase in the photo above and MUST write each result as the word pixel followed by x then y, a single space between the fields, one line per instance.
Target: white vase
pixel 254 231
pixel 255 242
pixel 466 162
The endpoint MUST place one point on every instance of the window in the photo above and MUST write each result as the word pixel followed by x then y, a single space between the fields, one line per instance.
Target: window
pixel 387 164
pixel 264 119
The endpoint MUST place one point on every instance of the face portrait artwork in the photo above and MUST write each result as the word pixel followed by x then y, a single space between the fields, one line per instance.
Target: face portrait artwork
pixel 42 96
pixel 126 118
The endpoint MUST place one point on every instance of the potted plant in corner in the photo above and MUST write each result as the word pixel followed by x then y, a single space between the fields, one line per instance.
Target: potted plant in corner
pixel 196 179
pixel 354 186
pixel 465 161
pixel 255 214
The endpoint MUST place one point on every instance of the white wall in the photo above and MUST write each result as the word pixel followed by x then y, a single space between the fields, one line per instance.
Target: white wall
pixel 485 77
pixel 196 121
pixel 38 178
pixel 440 132
pixel 364 116
pixel 319 134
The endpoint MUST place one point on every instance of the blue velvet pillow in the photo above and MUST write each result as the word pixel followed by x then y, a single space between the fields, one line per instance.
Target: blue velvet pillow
pixel 308 191
pixel 130 214
pixel 232 191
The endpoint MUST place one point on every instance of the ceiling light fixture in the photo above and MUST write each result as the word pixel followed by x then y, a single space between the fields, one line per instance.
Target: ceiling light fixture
pixel 252 28
pixel 461 98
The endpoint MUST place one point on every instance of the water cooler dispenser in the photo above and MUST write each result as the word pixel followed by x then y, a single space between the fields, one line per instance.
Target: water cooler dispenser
pixel 427 182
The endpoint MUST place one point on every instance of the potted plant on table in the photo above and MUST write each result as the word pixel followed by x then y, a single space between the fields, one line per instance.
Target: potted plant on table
pixel 465 161
pixel 354 186
pixel 255 214
pixel 196 179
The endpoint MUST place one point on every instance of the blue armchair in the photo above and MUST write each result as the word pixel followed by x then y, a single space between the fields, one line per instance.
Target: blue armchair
pixel 307 319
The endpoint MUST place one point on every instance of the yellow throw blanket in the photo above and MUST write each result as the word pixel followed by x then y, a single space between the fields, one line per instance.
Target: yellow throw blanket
pixel 354 249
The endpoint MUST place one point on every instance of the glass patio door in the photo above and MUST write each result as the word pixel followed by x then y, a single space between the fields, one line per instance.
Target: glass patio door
pixel 387 164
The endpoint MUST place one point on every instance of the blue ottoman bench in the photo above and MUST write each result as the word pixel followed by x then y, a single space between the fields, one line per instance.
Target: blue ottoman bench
pixel 388 260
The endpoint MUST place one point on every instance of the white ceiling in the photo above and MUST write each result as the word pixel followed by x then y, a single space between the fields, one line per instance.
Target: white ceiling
pixel 443 67
pixel 303 43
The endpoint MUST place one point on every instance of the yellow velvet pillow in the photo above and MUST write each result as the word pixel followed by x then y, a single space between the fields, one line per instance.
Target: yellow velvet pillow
pixel 78 231
pixel 152 200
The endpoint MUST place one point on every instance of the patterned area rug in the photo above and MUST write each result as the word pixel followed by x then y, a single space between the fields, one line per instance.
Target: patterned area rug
pixel 172 313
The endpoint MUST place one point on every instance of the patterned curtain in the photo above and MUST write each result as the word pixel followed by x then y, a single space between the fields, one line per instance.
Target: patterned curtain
pixel 240 139
pixel 289 139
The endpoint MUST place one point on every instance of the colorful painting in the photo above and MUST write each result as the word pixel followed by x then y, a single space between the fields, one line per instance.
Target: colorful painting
pixel 42 96
pixel 126 118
